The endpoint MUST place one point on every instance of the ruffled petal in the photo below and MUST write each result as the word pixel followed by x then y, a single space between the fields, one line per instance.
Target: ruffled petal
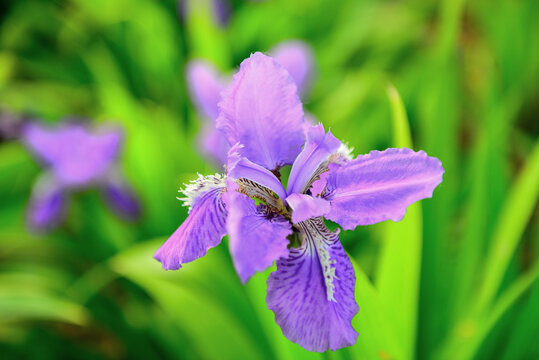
pixel 380 185
pixel 312 291
pixel 47 204
pixel 204 227
pixel 305 207
pixel 75 155
pixel 312 160
pixel 261 110
pixel 297 58
pixel 205 85
pixel 257 235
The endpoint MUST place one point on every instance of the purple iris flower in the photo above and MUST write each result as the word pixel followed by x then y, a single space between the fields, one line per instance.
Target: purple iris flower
pixel 312 290
pixel 75 159
pixel 206 84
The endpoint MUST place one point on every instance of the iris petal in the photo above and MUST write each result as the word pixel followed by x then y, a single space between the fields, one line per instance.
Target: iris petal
pixel 239 167
pixel 121 198
pixel 213 144
pixel 47 204
pixel 257 236
pixel 203 229
pixel 297 58
pixel 205 85
pixel 380 185
pixel 305 207
pixel 75 155
pixel 310 162
pixel 261 110
pixel 312 291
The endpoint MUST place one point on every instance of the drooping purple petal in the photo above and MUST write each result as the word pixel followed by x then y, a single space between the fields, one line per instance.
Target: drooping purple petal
pixel 312 291
pixel 257 236
pixel 317 150
pixel 305 207
pixel 261 110
pixel 75 155
pixel 47 204
pixel 204 227
pixel 239 167
pixel 205 84
pixel 380 185
pixel 121 198
pixel 297 58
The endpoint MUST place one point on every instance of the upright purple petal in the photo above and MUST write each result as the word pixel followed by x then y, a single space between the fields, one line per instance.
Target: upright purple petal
pixel 75 155
pixel 312 291
pixel 205 84
pixel 257 236
pixel 297 58
pixel 380 185
pixel 318 148
pixel 121 198
pixel 204 227
pixel 261 110
pixel 47 204
pixel 305 207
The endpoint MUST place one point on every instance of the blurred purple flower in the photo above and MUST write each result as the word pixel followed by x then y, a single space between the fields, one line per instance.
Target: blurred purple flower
pixel 206 84
pixel 75 159
pixel 312 290
pixel 10 125
pixel 221 10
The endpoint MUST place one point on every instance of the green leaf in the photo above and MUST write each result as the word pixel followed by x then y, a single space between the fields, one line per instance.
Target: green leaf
pixel 400 261
pixel 193 299
pixel 512 222
pixel 523 333
pixel 16 305
pixel 471 332
pixel 378 338
pixel 485 312
pixel 29 292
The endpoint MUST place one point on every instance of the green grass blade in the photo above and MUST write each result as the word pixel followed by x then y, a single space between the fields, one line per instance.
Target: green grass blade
pixel 469 335
pixel 17 305
pixel 526 328
pixel 377 335
pixel 400 263
pixel 28 294
pixel 512 222
pixel 192 298
pixel 399 120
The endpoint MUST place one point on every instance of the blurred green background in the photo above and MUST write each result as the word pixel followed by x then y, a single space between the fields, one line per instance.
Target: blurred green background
pixel 457 279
